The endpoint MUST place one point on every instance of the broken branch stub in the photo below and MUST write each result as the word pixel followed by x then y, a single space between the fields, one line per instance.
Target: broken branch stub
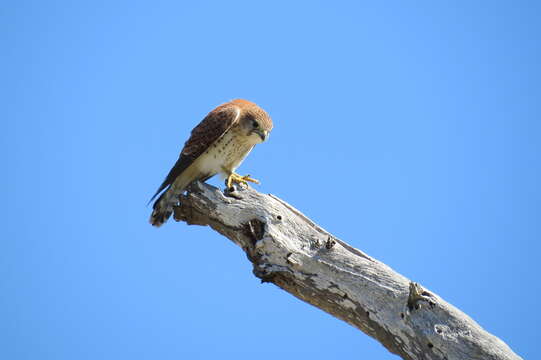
pixel 291 251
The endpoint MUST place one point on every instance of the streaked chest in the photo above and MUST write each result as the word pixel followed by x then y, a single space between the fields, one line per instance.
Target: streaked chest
pixel 226 153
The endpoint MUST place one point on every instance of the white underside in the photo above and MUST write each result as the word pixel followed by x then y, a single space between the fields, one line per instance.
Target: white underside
pixel 227 155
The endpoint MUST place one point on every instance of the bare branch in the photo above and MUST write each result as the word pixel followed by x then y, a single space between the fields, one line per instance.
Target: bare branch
pixel 291 251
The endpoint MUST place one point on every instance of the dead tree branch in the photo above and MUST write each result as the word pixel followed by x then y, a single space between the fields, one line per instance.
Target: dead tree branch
pixel 291 251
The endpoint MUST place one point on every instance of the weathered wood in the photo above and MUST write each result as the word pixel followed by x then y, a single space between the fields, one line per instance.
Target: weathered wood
pixel 291 251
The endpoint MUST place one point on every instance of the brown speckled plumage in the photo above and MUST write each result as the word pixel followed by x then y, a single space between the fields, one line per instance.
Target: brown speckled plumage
pixel 218 143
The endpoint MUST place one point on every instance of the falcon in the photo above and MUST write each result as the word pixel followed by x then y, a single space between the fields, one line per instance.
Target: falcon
pixel 217 145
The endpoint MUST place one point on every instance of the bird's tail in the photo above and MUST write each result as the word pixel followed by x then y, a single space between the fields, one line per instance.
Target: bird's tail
pixel 163 207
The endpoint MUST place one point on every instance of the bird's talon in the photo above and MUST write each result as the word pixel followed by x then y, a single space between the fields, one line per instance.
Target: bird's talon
pixel 238 179
pixel 248 178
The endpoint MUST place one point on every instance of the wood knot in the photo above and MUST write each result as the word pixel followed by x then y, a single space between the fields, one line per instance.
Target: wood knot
pixel 330 243
pixel 255 230
pixel 233 192
pixel 418 294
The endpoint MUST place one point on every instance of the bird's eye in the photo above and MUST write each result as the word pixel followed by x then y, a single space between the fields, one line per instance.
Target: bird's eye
pixel 255 124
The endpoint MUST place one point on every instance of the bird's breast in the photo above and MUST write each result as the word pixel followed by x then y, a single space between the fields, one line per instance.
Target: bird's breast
pixel 226 153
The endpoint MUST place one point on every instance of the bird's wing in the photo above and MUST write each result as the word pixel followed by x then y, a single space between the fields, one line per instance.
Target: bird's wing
pixel 210 129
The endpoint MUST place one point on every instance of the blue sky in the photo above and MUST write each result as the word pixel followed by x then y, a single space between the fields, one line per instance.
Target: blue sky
pixel 410 130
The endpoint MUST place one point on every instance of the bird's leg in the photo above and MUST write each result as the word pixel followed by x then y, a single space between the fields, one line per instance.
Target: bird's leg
pixel 239 179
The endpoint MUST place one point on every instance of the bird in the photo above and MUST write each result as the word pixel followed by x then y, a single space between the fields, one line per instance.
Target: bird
pixel 217 145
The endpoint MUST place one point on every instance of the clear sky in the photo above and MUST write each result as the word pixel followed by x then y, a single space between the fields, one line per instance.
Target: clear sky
pixel 409 129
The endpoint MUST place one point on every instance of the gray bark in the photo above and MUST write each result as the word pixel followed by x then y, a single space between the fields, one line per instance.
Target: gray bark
pixel 291 251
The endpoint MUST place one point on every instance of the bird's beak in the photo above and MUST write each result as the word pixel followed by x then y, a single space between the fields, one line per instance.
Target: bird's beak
pixel 263 134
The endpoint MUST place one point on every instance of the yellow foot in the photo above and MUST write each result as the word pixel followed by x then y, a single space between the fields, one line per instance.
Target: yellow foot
pixel 238 179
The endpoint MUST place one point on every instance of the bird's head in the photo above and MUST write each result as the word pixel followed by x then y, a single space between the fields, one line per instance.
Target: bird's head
pixel 255 123
pixel 254 128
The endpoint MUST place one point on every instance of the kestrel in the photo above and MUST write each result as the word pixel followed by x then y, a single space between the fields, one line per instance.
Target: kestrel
pixel 217 145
